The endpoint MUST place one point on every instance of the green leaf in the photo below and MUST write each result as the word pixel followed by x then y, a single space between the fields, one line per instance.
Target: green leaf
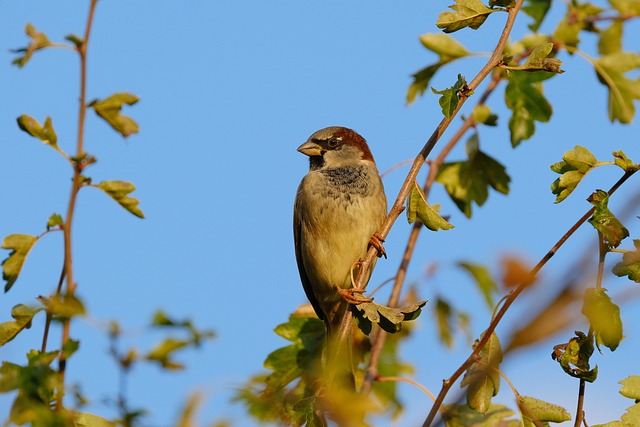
pixel 626 7
pixel 38 41
pixel 44 133
pixel 55 220
pixel 482 114
pixel 539 60
pixel 543 411
pixel 163 352
pixel 464 416
pixel 623 90
pixel 417 208
pixel 604 221
pixel 610 41
pixel 19 245
pixel 76 40
pixel 574 166
pixel 109 109
pixel 537 9
pixel 630 264
pixel 63 306
pixel 574 357
pixel 448 320
pixel 119 190
pixel 84 419
pixel 577 18
pixel 469 181
pixel 388 318
pixel 23 315
pixel 287 363
pixel 482 377
pixel 450 98
pixel 447 49
pixel 631 387
pixel 604 317
pixel 483 279
pixel 466 13
pixel 523 95
pixel 626 164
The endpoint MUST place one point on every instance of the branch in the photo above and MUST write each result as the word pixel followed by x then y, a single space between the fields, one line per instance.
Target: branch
pixel 78 166
pixel 380 337
pixel 448 383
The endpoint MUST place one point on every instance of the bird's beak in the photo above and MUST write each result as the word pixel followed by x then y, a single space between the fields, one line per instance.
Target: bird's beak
pixel 310 149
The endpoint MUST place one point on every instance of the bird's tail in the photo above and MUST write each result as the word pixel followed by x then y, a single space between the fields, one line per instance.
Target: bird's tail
pixel 338 353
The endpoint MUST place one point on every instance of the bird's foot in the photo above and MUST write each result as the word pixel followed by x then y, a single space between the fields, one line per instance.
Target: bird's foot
pixel 376 241
pixel 354 296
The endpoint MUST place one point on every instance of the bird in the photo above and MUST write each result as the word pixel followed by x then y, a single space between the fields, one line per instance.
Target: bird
pixel 339 208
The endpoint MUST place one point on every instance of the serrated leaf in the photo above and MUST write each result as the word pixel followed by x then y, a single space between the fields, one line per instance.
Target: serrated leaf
pixel 574 166
pixel 603 220
pixel 464 416
pixel 109 109
pixel 527 103
pixel 631 387
pixel 39 41
pixel 483 279
pixel 539 60
pixel 604 317
pixel 418 208
pixel 469 181
pixel 574 357
pixel 388 318
pixel 544 411
pixel 482 377
pixel 537 9
pixel 19 245
pixel 23 315
pixel 630 264
pixel 466 13
pixel 447 49
pixel 119 191
pixel 450 98
pixel 611 71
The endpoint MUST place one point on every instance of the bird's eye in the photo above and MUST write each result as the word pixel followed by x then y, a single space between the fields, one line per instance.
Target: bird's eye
pixel 333 142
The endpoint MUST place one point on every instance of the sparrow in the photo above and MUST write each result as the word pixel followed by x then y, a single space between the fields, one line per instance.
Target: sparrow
pixel 339 207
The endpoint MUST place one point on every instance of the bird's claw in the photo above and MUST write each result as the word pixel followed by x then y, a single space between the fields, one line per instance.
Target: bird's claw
pixel 354 296
pixel 376 241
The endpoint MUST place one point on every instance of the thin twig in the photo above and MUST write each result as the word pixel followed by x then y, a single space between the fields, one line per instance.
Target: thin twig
pixel 579 409
pixel 75 187
pixel 380 335
pixel 508 301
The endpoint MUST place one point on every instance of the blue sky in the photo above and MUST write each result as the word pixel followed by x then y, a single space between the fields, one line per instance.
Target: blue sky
pixel 228 90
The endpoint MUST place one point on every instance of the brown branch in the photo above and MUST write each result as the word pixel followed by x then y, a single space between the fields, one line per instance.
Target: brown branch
pixel 580 408
pixel 78 164
pixel 434 166
pixel 507 303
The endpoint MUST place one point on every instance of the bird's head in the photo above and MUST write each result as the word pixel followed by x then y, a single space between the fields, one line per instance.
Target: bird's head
pixel 336 146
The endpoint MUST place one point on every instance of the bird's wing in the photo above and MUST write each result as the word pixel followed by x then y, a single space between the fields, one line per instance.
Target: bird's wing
pixel 297 239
